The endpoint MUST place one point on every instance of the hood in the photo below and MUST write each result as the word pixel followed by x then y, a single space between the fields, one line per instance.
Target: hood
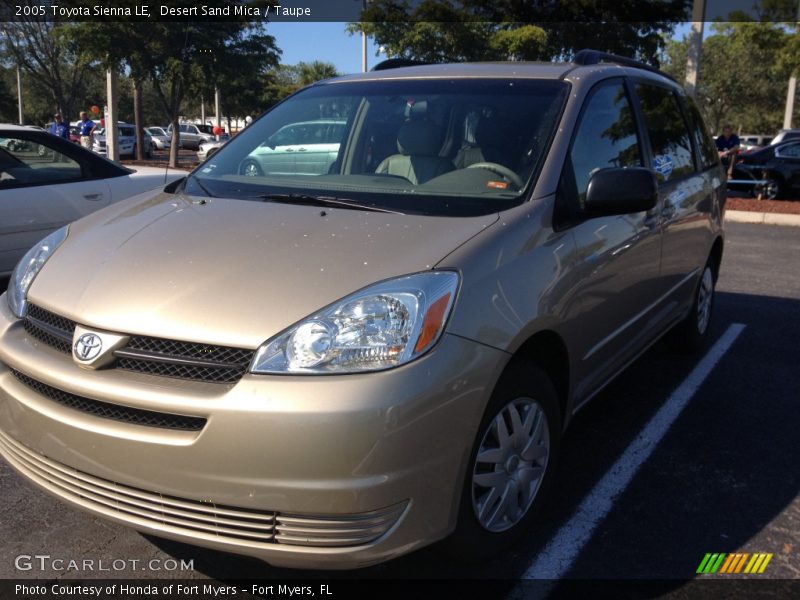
pixel 231 272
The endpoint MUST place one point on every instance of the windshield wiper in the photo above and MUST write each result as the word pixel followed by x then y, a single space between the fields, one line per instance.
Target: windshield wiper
pixel 328 201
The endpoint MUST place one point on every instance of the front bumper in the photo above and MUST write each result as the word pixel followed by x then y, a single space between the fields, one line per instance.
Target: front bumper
pixel 314 472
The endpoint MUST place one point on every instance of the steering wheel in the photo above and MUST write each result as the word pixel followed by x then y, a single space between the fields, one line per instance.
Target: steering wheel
pixel 500 170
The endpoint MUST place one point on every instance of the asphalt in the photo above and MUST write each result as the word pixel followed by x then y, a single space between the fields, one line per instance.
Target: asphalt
pixel 723 479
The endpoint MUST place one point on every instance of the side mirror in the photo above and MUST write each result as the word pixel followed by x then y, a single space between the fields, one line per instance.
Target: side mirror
pixel 620 191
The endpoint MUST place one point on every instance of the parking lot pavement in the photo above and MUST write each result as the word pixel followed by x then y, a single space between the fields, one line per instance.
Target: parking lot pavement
pixel 723 479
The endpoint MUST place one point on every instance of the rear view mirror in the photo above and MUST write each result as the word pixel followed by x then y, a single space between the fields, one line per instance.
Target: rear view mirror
pixel 619 191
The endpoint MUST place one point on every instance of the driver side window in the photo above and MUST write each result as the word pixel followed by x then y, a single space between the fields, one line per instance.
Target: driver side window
pixel 606 136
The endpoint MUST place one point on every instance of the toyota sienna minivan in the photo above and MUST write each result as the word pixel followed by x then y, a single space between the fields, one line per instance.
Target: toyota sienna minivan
pixel 330 370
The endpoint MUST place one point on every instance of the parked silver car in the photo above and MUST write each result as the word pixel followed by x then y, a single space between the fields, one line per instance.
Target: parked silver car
pixel 161 140
pixel 308 147
pixel 331 367
pixel 191 135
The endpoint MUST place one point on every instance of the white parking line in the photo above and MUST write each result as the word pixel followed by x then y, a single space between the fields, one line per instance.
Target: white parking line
pixel 556 558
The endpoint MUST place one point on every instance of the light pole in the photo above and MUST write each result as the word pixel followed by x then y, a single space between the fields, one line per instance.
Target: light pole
pixel 19 96
pixel 790 93
pixel 363 41
pixel 695 46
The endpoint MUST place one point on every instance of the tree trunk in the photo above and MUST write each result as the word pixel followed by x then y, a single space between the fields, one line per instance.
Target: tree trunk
pixel 137 118
pixel 173 150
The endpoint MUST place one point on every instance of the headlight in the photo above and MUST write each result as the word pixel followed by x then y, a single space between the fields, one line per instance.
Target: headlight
pixel 28 268
pixel 382 326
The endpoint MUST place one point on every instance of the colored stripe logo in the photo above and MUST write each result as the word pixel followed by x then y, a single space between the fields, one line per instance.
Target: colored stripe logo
pixel 737 562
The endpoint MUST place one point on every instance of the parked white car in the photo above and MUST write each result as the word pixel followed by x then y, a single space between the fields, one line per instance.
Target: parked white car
pixel 209 148
pixel 47 182
pixel 126 139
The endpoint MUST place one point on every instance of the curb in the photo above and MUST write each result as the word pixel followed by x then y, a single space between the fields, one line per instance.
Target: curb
pixel 765 218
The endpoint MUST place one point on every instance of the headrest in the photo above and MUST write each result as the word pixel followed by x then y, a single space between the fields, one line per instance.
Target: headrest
pixel 493 131
pixel 419 138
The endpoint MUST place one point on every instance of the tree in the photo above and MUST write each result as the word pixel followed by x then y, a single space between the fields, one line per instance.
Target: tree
pixel 459 30
pixel 36 46
pixel 308 73
pixel 179 58
pixel 742 78
pixel 287 79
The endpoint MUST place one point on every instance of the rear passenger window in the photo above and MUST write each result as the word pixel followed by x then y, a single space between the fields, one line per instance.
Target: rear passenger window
pixel 669 137
pixel 708 150
pixel 606 137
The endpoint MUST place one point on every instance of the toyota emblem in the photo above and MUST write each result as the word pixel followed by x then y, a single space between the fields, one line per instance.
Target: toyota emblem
pixel 88 347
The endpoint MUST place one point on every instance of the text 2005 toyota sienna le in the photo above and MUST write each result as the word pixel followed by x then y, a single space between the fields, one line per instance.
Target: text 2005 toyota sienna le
pixel 331 370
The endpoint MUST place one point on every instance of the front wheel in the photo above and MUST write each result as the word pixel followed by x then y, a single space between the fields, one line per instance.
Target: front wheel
pixel 511 466
pixel 250 168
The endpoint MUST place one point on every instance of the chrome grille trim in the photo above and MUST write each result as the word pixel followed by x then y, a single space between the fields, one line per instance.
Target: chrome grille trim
pixel 152 508
pixel 336 530
pixel 198 519
pixel 111 411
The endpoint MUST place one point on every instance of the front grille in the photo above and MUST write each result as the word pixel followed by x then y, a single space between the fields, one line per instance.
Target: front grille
pixel 115 412
pixel 52 329
pixel 200 520
pixel 155 356
pixel 184 360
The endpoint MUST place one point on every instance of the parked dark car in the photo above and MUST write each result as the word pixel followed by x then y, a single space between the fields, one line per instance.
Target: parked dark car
pixel 777 166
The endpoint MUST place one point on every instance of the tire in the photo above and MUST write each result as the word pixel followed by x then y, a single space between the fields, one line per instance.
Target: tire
pixel 691 334
pixel 250 168
pixel 488 521
pixel 773 189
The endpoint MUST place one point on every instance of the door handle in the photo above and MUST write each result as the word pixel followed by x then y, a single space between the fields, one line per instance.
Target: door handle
pixel 94 196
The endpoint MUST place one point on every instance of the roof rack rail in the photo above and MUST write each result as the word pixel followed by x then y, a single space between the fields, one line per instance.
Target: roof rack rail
pixel 593 57
pixel 396 63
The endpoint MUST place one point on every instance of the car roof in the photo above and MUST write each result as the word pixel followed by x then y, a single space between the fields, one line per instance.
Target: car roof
pixel 504 70
pixel 575 73
pixel 13 127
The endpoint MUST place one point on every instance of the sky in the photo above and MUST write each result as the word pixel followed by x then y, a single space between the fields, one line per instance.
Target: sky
pixel 328 42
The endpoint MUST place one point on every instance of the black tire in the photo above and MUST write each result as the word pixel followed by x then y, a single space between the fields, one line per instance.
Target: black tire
pixel 774 188
pixel 691 334
pixel 250 168
pixel 521 384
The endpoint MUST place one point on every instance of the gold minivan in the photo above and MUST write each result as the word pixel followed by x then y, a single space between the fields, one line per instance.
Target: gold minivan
pixel 330 370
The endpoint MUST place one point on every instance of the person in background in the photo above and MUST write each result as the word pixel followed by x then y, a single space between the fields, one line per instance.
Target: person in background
pixel 59 128
pixel 86 130
pixel 727 145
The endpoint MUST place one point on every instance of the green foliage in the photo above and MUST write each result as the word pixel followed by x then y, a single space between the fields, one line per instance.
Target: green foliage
pixel 469 30
pixel 744 69
pixel 287 79
pixel 59 77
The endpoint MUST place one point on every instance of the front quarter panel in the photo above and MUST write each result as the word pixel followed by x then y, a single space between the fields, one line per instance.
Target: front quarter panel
pixel 515 280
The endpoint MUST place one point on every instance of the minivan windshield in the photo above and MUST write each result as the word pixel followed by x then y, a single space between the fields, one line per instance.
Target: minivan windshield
pixel 460 146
